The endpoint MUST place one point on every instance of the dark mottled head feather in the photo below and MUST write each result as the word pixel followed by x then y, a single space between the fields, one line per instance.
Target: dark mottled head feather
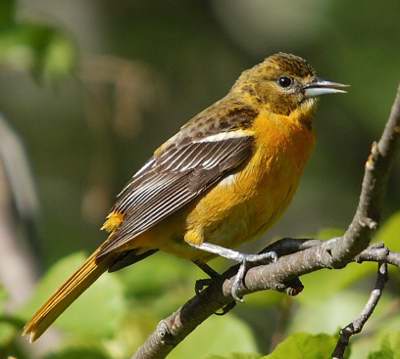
pixel 291 64
pixel 261 82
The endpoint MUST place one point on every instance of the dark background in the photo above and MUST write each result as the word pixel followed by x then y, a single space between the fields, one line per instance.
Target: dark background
pixel 137 70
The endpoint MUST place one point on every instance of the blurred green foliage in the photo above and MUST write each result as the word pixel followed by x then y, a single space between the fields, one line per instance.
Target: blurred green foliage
pixel 47 52
pixel 390 348
pixel 7 13
pixel 114 316
pixel 302 345
pixel 85 140
pixel 102 322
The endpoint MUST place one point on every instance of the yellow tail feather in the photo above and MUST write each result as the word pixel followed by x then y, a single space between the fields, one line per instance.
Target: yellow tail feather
pixel 64 296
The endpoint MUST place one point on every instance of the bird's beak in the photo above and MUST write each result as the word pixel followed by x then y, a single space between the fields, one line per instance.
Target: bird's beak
pixel 323 87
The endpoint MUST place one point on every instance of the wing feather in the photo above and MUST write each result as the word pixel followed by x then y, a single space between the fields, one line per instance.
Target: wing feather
pixel 169 182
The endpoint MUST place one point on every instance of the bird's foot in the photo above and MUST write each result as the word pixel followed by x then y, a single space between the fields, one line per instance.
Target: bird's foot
pixel 245 260
pixel 226 308
pixel 202 283
pixel 293 287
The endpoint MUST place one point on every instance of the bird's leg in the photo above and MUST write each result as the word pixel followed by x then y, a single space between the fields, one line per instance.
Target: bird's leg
pixel 242 258
pixel 201 283
pixel 207 269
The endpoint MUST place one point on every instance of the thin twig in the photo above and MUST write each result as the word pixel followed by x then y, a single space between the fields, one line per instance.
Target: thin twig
pixel 357 324
pixel 312 256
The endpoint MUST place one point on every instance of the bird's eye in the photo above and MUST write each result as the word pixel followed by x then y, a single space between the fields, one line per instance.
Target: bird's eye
pixel 284 81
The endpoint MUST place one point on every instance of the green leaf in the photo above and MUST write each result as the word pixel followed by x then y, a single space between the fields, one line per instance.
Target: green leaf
pixel 157 274
pixel 328 233
pixel 328 314
pixel 389 233
pixel 383 324
pixel 78 353
pixel 384 353
pixel 3 298
pixel 97 313
pixel 235 356
pixel 265 299
pixel 362 346
pixel 223 335
pixel 7 333
pixel 7 12
pixel 9 325
pixel 303 345
pixel 324 283
pixel 137 325
pixel 390 347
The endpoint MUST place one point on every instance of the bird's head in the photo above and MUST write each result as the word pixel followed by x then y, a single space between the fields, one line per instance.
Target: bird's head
pixel 285 83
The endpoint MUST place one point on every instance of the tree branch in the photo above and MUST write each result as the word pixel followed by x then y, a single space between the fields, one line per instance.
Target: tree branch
pixel 297 257
pixel 377 169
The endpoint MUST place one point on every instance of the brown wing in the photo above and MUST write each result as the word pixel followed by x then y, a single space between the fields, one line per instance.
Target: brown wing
pixel 174 179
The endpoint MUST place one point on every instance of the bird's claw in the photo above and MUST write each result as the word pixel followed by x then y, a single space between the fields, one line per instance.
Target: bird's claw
pixel 226 309
pixel 294 287
pixel 244 260
pixel 199 286
pixel 201 283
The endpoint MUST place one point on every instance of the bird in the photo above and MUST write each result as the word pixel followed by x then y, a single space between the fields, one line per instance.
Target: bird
pixel 223 179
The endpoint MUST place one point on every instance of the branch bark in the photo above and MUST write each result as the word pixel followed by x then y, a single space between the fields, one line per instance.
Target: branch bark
pixel 297 257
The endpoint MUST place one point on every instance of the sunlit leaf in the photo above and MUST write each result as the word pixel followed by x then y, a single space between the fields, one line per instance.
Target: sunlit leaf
pixel 9 325
pixel 361 346
pixel 390 348
pixel 136 326
pixel 329 233
pixel 97 312
pixel 156 274
pixel 325 283
pixel 384 353
pixel 327 314
pixel 222 335
pixel 382 324
pixel 302 345
pixel 78 353
pixel 235 356
pixel 265 298
pixel 3 298
pixel 7 333
pixel 389 233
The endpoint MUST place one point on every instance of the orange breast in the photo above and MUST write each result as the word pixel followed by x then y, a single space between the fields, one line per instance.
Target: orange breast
pixel 245 203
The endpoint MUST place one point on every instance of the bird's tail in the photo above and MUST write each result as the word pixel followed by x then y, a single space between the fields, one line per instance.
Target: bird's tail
pixel 65 295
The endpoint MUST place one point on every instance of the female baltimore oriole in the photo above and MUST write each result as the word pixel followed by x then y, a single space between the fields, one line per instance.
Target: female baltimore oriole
pixel 223 179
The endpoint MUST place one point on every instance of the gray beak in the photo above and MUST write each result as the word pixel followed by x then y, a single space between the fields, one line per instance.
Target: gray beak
pixel 323 87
